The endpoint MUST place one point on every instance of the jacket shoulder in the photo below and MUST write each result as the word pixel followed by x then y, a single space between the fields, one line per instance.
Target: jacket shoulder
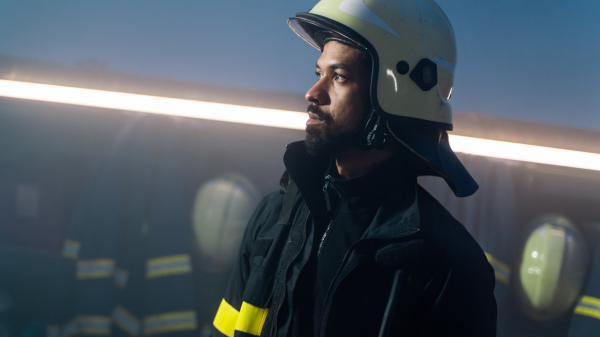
pixel 266 213
pixel 451 239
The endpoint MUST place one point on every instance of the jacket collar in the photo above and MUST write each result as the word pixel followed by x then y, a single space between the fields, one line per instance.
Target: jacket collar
pixel 397 215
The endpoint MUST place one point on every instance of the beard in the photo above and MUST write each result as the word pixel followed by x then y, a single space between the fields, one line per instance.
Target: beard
pixel 321 142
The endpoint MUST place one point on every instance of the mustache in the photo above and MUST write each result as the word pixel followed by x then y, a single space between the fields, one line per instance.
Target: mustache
pixel 312 107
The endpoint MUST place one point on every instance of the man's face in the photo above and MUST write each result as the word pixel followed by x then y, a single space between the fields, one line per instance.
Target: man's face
pixel 339 100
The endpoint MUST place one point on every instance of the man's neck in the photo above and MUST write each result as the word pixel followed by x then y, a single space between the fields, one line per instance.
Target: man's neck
pixel 354 162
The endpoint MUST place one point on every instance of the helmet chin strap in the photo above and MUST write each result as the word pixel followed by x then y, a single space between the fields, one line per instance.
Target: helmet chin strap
pixel 374 134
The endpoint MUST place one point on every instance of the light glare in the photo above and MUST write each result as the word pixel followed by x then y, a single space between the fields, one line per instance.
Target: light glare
pixel 153 104
pixel 275 118
pixel 525 152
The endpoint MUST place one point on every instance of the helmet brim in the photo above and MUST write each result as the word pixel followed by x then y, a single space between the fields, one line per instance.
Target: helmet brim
pixel 308 25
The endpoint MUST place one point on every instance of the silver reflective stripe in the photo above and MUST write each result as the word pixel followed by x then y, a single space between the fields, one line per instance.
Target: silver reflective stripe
pixel 126 321
pixel 588 306
pixel 169 265
pixel 121 276
pixel 96 325
pixel 71 249
pixel 169 322
pixel 98 268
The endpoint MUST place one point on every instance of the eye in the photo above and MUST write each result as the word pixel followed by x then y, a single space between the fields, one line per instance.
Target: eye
pixel 319 74
pixel 339 78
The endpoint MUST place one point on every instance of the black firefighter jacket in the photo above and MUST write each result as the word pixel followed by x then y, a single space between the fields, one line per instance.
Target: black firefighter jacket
pixel 415 272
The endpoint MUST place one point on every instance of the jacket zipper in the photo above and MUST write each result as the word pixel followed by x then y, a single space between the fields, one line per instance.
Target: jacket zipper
pixel 328 202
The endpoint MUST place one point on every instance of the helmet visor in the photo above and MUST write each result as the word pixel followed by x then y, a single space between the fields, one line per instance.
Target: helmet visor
pixel 315 33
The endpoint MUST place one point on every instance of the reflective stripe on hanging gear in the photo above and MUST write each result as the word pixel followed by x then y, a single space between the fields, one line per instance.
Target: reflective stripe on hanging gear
pixel 168 265
pixel 94 325
pixel 588 306
pixel 71 249
pixel 93 269
pixel 170 322
pixel 121 277
pixel 126 321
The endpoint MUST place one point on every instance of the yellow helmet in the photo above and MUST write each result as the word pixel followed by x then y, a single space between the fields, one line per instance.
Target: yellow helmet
pixel 412 46
pixel 552 268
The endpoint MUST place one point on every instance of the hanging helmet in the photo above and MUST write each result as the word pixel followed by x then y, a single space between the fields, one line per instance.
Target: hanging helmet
pixel 552 268
pixel 221 209
pixel 413 52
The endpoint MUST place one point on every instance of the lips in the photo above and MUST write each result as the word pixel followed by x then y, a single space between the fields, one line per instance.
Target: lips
pixel 313 119
pixel 315 115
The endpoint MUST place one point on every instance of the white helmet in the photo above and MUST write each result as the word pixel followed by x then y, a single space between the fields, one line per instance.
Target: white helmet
pixel 413 52
pixel 412 46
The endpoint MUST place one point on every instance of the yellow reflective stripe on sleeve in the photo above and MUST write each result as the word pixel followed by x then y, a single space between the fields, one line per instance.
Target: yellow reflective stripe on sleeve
pixel 226 319
pixel 501 270
pixel 251 319
pixel 82 325
pixel 99 268
pixel 588 306
pixel 168 265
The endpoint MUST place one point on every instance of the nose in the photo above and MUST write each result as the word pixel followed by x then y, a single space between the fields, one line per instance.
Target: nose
pixel 318 93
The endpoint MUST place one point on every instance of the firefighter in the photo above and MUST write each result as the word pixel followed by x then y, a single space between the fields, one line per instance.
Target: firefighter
pixel 352 245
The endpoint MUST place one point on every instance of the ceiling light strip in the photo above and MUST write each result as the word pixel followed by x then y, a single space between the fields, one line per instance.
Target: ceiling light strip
pixel 525 152
pixel 274 118
pixel 153 104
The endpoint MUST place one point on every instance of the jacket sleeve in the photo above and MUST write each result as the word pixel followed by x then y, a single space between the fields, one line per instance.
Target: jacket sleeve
pixel 226 318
